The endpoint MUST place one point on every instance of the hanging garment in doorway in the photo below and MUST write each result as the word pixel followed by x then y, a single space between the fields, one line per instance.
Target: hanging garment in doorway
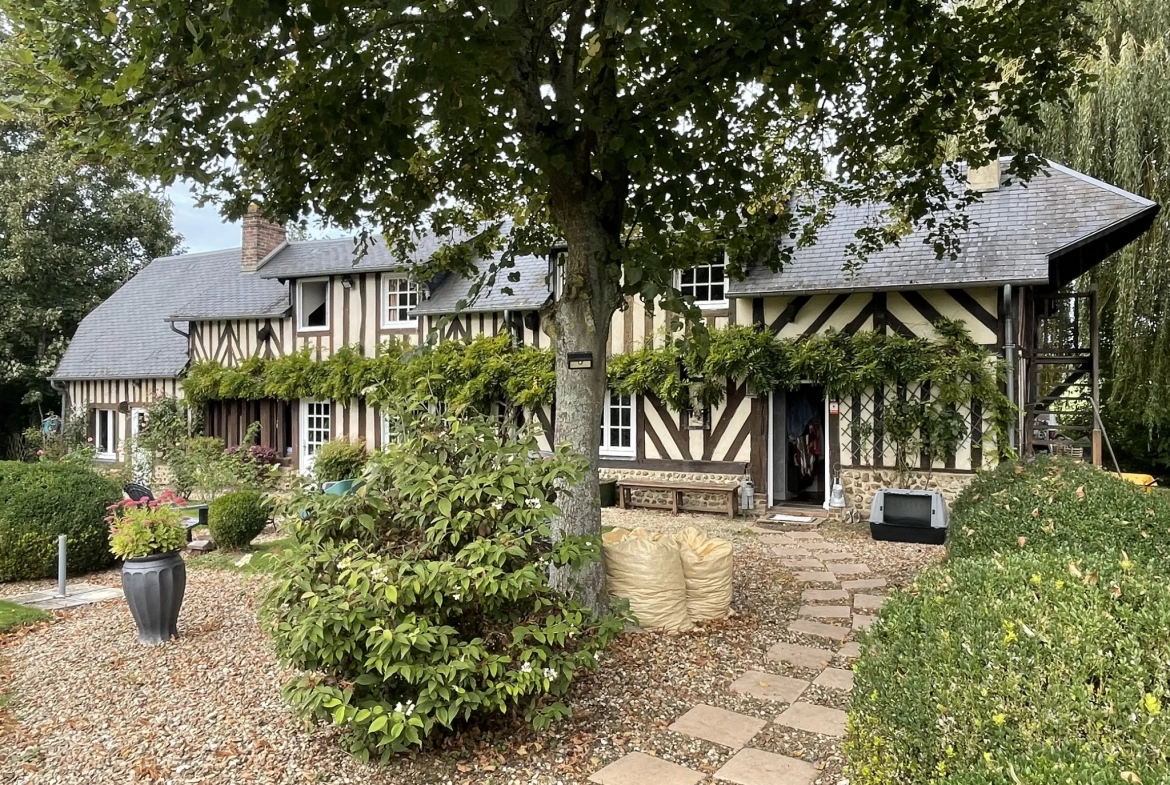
pixel 808 449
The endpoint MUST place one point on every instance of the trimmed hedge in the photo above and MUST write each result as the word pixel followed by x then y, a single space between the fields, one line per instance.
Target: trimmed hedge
pixel 39 501
pixel 1061 506
pixel 340 460
pixel 1026 668
pixel 237 517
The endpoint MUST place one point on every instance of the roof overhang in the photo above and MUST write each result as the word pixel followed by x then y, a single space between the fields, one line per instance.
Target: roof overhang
pixel 968 283
pixel 228 316
pixel 1075 259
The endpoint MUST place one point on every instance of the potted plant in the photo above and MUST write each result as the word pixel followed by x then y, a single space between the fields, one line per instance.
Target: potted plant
pixel 148 536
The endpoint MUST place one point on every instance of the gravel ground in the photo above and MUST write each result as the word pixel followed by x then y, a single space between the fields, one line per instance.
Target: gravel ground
pixel 90 706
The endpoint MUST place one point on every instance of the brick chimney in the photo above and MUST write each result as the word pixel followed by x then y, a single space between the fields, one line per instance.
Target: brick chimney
pixel 261 237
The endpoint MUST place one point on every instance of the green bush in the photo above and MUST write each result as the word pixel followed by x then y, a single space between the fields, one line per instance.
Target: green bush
pixel 39 501
pixel 237 517
pixel 1026 668
pixel 1061 506
pixel 339 460
pixel 421 603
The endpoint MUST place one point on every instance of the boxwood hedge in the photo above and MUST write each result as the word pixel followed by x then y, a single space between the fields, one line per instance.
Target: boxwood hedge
pixel 1057 505
pixel 39 501
pixel 1024 668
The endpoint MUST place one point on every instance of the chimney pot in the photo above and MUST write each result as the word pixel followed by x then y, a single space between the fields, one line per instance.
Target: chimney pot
pixel 261 237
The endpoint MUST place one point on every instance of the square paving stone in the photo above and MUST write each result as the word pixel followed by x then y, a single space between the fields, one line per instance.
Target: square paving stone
pixel 785 551
pixel 638 768
pixel 803 564
pixel 851 650
pixel 826 611
pixel 809 576
pixel 800 656
pixel 835 679
pixel 864 583
pixel 769 686
pixel 756 767
pixel 820 545
pixel 824 595
pixel 820 630
pixel 834 555
pixel 849 569
pixel 778 539
pixel 863 622
pixel 718 725
pixel 869 602
pixel 805 535
pixel 813 718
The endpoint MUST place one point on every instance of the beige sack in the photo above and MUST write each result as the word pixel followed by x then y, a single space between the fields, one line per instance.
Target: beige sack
pixel 645 569
pixel 707 565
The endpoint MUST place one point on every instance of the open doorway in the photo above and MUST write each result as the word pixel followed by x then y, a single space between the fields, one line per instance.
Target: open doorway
pixel 799 447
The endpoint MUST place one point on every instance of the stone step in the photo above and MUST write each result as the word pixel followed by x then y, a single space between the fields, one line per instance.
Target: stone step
pixel 815 576
pixel 863 584
pixel 789 552
pixel 863 621
pixel 849 569
pixel 820 630
pixel 835 679
pixel 868 602
pixel 850 651
pixel 803 564
pixel 638 768
pixel 717 725
pixel 800 656
pixel 769 686
pixel 824 595
pixel 827 611
pixel 813 718
pixel 756 767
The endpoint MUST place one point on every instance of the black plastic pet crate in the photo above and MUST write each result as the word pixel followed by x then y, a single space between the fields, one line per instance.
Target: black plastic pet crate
pixel 908 516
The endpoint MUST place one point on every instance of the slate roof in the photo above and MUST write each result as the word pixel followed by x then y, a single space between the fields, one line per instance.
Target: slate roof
pixel 1017 234
pixel 530 292
pixel 127 337
pixel 336 257
pixel 238 296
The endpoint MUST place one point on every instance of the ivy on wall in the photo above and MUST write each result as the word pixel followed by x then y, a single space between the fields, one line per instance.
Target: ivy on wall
pixel 489 371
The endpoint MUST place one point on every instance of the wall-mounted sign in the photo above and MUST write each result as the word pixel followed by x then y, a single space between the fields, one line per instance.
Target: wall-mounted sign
pixel 580 361
pixel 834 407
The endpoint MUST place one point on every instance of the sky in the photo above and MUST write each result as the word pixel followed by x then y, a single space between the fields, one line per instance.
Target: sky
pixel 203 228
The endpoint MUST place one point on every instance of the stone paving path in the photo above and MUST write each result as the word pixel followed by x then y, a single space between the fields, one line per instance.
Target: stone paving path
pixel 841 597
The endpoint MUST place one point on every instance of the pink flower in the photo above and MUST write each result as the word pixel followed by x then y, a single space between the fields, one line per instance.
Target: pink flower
pixel 40 452
pixel 90 440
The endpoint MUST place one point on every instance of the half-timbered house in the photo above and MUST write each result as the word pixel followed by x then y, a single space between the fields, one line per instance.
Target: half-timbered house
pixel 1009 285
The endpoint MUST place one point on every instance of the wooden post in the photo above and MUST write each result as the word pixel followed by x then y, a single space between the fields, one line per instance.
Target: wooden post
pixel 1094 345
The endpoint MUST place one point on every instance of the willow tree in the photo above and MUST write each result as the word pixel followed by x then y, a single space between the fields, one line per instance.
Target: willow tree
pixel 1119 131
pixel 638 133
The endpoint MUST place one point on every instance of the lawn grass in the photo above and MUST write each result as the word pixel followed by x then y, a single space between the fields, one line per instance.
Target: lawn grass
pixel 261 561
pixel 13 616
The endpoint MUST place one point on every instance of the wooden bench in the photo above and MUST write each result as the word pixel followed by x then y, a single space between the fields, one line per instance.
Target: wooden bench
pixel 676 489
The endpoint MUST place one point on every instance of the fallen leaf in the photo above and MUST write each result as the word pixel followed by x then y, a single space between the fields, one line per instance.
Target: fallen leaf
pixel 1130 776
pixel 1019 470
pixel 1022 541
pixel 763 684
pixel 1116 590
pixel 1036 513
pixel 1081 492
pixel 1073 571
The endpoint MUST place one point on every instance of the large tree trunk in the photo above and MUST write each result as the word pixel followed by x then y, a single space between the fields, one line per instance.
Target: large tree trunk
pixel 587 301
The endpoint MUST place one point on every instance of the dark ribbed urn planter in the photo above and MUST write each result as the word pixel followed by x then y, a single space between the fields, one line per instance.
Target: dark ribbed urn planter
pixel 154 587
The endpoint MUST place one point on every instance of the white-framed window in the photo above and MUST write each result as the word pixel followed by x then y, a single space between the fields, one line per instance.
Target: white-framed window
pixel 617 426
pixel 313 304
pixel 399 298
pixel 105 434
pixel 707 283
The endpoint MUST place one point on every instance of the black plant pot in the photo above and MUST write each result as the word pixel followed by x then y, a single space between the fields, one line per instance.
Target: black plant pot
pixel 154 587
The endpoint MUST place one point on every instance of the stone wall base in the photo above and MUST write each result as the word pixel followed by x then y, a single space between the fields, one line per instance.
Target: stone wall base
pixel 691 501
pixel 860 484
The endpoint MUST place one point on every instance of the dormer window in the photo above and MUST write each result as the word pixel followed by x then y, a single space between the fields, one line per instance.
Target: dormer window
pixel 706 283
pixel 399 298
pixel 313 304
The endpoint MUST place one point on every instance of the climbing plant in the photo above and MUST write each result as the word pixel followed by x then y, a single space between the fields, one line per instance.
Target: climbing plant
pixel 488 373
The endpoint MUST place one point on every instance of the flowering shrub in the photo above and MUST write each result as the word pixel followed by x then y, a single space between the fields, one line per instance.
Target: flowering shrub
pixel 257 459
pixel 421 602
pixel 147 527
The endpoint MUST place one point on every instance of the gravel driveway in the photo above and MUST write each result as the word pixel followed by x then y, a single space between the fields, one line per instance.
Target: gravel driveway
pixel 91 706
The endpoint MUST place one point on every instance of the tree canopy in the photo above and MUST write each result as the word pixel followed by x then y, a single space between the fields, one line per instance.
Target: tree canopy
pixel 637 133
pixel 1120 132
pixel 70 234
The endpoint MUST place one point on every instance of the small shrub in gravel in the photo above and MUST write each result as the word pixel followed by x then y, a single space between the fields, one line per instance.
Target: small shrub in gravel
pixel 421 603
pixel 1061 506
pixel 339 460
pixel 1029 667
pixel 237 517
pixel 39 501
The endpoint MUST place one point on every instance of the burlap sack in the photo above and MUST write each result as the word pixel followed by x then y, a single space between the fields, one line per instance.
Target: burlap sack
pixel 645 569
pixel 707 565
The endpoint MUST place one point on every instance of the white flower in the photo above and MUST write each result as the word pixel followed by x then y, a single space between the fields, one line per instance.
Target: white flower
pixel 398 707
pixel 533 503
pixel 247 557
pixel 409 708
pixel 550 673
pixel 498 504
pixel 526 667
pixel 456 596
